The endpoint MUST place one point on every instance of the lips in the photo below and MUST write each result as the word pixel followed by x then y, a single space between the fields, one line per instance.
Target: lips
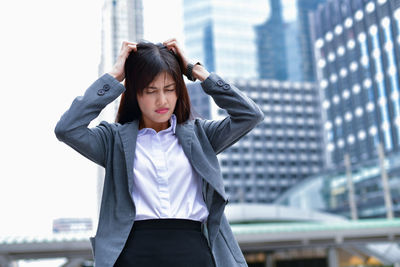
pixel 162 110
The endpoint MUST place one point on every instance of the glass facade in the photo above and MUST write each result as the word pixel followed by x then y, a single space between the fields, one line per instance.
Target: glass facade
pixel 221 34
pixel 356 48
pixel 329 190
pixel 271 48
pixel 269 39
pixel 304 35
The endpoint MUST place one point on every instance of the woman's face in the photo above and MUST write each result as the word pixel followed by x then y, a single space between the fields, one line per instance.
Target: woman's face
pixel 157 102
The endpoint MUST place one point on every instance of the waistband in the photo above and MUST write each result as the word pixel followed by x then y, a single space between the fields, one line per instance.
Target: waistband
pixel 182 224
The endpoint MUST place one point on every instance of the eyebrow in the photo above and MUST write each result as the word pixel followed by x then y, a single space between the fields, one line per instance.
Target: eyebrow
pixel 152 87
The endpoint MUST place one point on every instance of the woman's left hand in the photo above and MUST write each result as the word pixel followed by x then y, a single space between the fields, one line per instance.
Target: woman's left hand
pixel 172 44
pixel 198 72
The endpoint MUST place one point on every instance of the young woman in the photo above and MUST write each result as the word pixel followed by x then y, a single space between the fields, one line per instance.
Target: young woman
pixel 163 198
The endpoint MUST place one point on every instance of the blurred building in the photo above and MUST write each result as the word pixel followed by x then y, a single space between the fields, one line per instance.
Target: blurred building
pixel 221 34
pixel 121 20
pixel 356 46
pixel 329 191
pixel 282 150
pixel 239 40
pixel 72 225
pixel 307 65
pixel 271 45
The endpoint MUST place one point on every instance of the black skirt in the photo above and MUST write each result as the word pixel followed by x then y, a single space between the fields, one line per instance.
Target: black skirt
pixel 166 242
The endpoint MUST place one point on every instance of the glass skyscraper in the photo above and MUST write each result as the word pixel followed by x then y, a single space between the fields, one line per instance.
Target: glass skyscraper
pixel 221 34
pixel 304 7
pixel 356 45
pixel 271 45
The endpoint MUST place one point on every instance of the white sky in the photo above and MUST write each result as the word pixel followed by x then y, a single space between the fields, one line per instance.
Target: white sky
pixel 49 54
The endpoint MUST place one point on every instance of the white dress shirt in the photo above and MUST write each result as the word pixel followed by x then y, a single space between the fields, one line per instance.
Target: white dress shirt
pixel 165 184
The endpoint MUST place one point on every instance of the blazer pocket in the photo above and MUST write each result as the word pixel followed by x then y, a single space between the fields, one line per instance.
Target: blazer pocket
pixel 232 244
pixel 92 243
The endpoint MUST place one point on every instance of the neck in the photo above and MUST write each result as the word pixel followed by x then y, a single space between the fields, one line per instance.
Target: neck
pixel 157 128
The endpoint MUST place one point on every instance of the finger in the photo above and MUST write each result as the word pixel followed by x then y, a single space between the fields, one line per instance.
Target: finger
pixel 169 40
pixel 172 46
pixel 129 48
pixel 132 47
pixel 126 43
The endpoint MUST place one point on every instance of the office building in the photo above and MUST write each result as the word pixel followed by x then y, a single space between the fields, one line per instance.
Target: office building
pixel 221 34
pixel 282 150
pixel 307 65
pixel 271 45
pixel 356 47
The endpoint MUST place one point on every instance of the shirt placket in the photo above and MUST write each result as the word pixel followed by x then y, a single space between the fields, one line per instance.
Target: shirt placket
pixel 162 176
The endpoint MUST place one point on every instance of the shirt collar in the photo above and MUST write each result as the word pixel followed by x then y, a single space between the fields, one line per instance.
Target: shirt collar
pixel 171 128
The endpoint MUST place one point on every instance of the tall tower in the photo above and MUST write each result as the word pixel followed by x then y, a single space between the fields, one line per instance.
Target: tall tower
pixel 304 7
pixel 357 54
pixel 271 45
pixel 121 20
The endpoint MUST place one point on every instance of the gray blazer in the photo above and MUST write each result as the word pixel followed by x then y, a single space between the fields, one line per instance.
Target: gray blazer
pixel 112 146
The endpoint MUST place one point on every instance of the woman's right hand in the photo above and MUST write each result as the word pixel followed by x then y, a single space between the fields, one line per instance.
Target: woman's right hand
pixel 118 69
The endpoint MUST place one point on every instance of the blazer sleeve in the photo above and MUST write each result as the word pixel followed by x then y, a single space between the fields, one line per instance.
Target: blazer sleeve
pixel 72 128
pixel 243 113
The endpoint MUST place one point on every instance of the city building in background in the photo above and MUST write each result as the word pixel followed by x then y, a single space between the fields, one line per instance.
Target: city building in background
pixel 271 45
pixel 200 102
pixel 72 225
pixel 282 150
pixel 356 47
pixel 292 50
pixel 121 20
pixel 221 34
pixel 307 65
pixel 329 191
pixel 238 40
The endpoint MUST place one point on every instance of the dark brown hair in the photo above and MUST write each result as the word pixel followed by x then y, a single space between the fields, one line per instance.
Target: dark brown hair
pixel 141 67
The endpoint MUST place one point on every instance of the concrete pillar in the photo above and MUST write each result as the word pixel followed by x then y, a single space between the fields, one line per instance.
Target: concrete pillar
pixel 350 188
pixel 5 261
pixel 333 260
pixel 385 183
pixel 268 260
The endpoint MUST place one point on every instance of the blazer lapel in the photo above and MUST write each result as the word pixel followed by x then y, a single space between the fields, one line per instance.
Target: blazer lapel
pixel 128 133
pixel 185 135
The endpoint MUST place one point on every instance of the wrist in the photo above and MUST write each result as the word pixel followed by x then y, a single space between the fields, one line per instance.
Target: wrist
pixel 117 77
pixel 196 71
pixel 199 72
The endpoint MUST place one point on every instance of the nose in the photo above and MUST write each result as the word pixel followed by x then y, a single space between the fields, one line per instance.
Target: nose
pixel 162 99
